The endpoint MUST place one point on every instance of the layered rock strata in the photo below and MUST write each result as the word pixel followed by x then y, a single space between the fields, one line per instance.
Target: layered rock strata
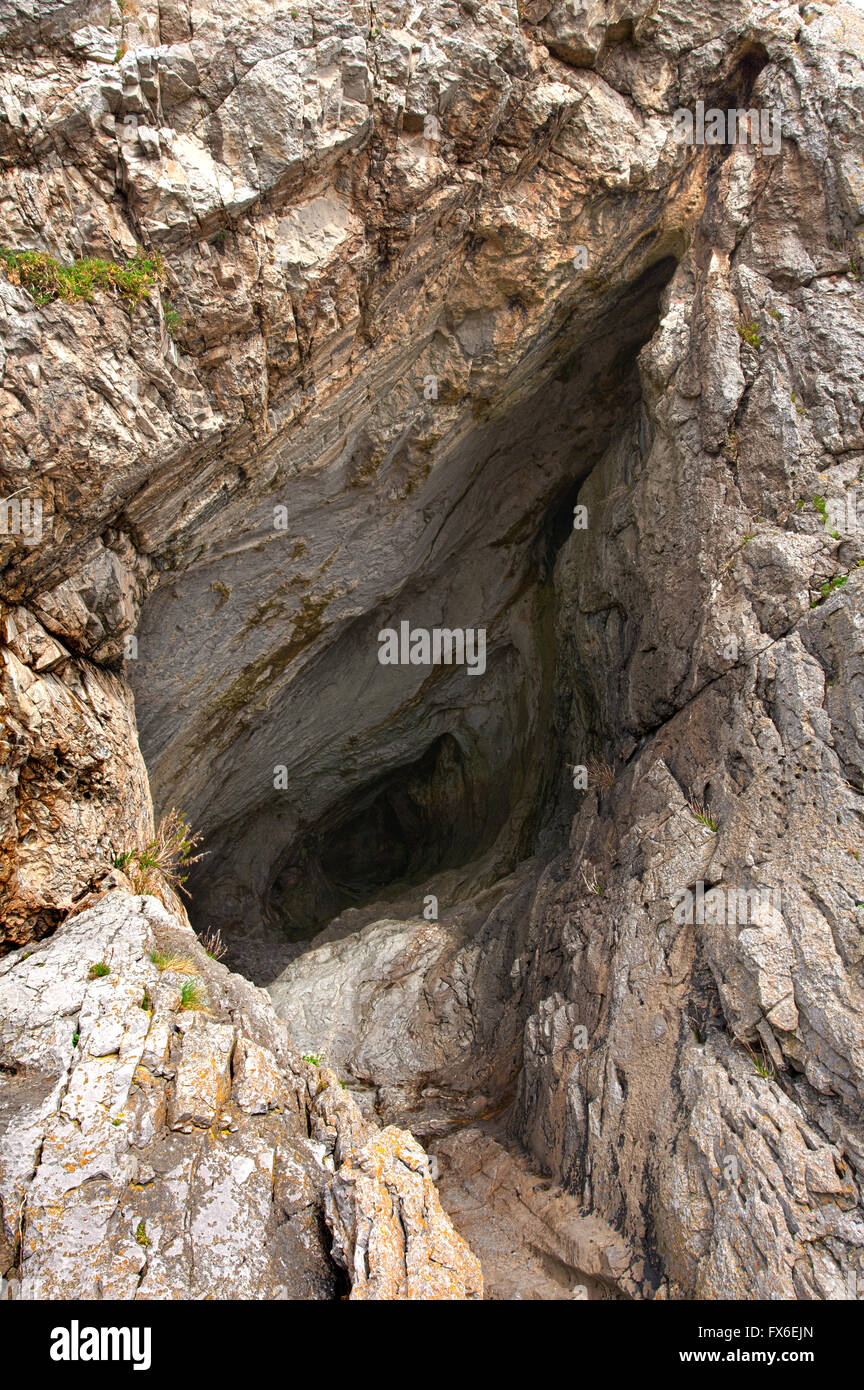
pixel 436 276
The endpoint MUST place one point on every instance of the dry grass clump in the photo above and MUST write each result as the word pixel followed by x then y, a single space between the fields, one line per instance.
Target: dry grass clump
pixel 213 944
pixel 167 960
pixel 163 858
pixel 601 771
pixel 591 881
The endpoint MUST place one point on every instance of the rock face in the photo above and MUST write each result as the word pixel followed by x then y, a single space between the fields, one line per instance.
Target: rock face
pixel 589 920
pixel 395 1006
pixel 73 784
pixel 534 1240
pixel 160 1139
pixel 389 1230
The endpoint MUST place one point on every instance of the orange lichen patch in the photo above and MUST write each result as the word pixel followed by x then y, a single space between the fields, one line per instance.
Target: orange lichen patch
pixel 202 1079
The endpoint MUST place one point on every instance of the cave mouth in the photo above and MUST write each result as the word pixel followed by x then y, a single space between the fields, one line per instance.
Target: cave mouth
pixel 397 832
pixel 394 777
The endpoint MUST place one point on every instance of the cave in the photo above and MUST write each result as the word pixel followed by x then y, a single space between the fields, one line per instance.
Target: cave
pixel 417 771
pixel 339 958
pixel 405 826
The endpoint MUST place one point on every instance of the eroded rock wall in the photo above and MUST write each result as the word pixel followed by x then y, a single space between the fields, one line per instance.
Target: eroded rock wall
pixel 382 333
pixel 716 1109
pixel 442 273
pixel 161 1138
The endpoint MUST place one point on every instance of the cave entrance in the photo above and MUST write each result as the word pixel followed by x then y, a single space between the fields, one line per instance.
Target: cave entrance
pixel 393 775
pixel 402 828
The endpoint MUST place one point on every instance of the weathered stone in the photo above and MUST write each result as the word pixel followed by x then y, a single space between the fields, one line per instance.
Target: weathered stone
pixel 389 1230
pixel 128 1170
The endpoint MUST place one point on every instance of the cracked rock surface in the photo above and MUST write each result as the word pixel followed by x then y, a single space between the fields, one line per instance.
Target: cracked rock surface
pixel 435 275
pixel 152 1149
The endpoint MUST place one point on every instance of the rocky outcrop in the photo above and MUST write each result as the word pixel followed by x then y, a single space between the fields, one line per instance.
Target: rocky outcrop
pixel 435 277
pixel 389 1229
pixel 161 1139
pixel 424 1016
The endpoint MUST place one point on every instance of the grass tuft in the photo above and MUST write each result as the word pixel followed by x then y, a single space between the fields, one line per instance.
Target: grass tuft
pixel 162 858
pixel 46 279
pixel 192 994
pixel 700 811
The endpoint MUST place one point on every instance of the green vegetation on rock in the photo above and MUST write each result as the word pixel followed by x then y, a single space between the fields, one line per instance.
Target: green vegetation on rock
pixel 46 279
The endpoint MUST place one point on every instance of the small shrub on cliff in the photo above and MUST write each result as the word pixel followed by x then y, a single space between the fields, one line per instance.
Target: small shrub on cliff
pixel 749 333
pixel 98 970
pixel 828 588
pixel 46 279
pixel 162 858
pixel 173 320
pixel 213 944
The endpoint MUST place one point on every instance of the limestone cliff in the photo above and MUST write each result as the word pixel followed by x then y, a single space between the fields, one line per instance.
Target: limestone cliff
pixel 419 286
